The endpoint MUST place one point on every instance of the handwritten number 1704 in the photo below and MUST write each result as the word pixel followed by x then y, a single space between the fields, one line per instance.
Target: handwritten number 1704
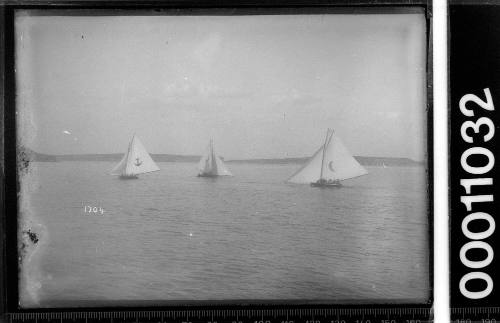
pixel 94 209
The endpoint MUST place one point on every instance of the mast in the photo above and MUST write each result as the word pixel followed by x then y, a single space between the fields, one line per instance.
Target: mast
pixel 211 155
pixel 330 138
pixel 213 159
pixel 128 155
pixel 323 156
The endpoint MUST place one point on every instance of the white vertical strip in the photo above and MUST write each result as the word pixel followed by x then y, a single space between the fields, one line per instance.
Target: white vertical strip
pixel 440 76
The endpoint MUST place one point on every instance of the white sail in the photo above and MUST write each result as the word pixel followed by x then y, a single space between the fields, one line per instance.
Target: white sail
pixel 120 168
pixel 331 162
pixel 204 166
pixel 221 167
pixel 212 165
pixel 310 172
pixel 135 161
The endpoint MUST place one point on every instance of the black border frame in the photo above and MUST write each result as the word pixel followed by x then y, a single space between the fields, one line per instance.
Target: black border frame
pixel 8 171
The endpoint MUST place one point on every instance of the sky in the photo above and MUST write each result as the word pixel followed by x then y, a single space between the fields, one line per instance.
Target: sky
pixel 261 86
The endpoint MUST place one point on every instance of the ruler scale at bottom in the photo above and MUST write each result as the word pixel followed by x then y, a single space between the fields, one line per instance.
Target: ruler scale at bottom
pixel 303 315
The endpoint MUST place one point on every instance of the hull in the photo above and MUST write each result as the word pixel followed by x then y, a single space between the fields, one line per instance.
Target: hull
pixel 208 175
pixel 335 184
pixel 129 177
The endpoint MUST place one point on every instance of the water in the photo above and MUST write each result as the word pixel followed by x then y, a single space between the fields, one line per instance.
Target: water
pixel 173 236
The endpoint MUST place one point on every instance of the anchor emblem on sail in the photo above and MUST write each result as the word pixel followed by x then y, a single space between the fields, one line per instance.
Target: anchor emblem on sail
pixel 135 161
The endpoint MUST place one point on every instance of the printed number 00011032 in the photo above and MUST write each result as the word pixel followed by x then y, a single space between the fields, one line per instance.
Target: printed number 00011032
pixel 468 200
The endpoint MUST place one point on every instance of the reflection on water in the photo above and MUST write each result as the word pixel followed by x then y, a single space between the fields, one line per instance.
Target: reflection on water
pixel 171 235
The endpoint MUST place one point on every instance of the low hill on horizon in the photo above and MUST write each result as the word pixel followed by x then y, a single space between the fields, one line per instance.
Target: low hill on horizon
pixel 25 155
pixel 363 160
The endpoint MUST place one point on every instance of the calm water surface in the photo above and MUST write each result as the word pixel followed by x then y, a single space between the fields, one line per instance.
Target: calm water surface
pixel 173 236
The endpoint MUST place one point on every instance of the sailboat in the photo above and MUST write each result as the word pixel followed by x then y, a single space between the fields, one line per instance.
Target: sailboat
pixel 212 165
pixel 135 161
pixel 331 164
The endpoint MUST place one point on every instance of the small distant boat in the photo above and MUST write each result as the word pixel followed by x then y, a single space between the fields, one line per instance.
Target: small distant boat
pixel 135 161
pixel 383 165
pixel 330 165
pixel 212 165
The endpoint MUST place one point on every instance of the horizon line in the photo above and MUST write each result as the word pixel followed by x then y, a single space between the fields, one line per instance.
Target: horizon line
pixel 233 159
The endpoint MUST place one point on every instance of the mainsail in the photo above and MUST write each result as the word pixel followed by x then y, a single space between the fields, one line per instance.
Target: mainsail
pixel 211 165
pixel 135 161
pixel 331 162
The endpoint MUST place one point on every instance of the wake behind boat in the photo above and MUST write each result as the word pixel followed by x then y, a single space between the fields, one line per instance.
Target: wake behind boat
pixel 135 161
pixel 211 165
pixel 330 165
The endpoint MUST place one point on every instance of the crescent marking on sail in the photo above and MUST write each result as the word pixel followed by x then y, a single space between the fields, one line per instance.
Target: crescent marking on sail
pixel 330 166
pixel 332 157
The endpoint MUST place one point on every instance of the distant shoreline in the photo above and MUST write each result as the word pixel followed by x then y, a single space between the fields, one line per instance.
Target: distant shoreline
pixel 27 154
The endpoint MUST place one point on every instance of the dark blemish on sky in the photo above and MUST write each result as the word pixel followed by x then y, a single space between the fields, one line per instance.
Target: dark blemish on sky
pixel 23 160
pixel 32 238
pixel 32 235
